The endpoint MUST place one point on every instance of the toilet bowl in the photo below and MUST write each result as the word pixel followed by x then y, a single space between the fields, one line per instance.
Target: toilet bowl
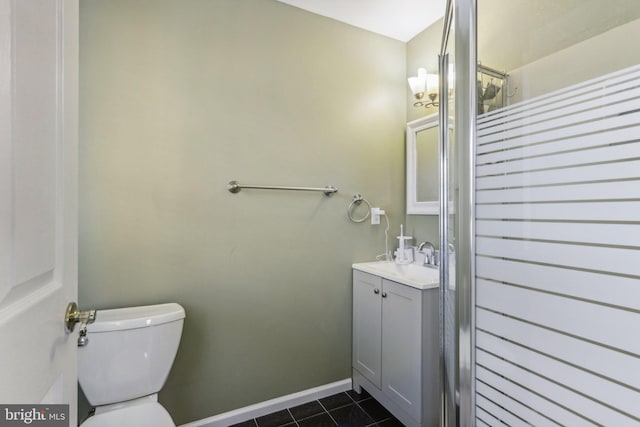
pixel 126 362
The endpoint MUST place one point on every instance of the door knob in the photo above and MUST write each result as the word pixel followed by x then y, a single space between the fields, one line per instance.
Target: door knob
pixel 73 316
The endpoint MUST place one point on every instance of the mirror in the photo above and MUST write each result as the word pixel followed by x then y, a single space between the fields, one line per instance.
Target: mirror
pixel 423 188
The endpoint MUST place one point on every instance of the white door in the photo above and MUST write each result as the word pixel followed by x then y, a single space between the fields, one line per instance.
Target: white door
pixel 38 200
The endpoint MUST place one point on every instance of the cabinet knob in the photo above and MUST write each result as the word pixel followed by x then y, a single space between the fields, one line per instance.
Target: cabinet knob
pixel 384 295
pixel 376 291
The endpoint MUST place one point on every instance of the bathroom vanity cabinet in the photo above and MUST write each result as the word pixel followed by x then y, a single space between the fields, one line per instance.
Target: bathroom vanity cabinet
pixel 396 347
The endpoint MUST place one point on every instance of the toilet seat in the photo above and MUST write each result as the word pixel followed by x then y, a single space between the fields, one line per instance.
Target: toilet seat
pixel 150 414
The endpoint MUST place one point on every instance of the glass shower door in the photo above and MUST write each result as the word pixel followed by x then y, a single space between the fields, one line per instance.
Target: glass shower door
pixel 448 320
pixel 557 215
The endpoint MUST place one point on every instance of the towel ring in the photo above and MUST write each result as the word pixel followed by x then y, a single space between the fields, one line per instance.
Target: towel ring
pixel 355 202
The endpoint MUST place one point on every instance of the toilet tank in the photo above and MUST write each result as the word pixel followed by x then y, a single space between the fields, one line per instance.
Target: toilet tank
pixel 130 352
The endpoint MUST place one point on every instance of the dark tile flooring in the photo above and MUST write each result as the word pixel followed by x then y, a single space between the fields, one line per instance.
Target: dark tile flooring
pixel 343 409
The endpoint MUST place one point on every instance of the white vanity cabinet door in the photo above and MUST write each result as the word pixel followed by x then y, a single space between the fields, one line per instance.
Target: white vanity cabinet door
pixel 367 325
pixel 401 346
pixel 395 347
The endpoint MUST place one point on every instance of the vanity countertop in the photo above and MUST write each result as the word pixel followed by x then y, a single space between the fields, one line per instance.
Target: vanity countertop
pixel 414 275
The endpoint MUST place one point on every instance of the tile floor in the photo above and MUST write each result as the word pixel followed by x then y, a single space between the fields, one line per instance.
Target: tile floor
pixel 343 409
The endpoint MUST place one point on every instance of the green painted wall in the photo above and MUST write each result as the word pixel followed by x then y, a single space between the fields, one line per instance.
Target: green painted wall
pixel 179 97
pixel 577 63
pixel 422 52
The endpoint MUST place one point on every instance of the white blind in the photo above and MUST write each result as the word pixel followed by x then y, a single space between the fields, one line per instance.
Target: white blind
pixel 558 258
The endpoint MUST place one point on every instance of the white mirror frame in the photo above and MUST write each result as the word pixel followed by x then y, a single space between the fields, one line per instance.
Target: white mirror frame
pixel 414 207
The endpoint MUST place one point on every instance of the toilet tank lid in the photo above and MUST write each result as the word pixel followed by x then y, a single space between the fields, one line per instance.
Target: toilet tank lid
pixel 117 319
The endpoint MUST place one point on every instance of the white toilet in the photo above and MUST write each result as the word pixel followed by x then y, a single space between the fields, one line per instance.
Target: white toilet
pixel 126 362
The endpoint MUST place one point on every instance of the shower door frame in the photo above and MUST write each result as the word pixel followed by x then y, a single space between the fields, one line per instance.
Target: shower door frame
pixel 462 14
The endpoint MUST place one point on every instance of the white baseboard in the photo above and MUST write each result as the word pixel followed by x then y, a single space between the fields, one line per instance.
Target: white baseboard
pixel 273 405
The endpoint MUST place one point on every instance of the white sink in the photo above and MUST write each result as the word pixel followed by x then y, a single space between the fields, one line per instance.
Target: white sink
pixel 414 275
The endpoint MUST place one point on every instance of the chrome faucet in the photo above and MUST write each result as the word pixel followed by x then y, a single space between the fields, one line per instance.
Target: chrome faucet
pixel 429 256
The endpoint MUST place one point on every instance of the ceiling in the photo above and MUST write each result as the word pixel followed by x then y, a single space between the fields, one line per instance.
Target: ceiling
pixel 398 19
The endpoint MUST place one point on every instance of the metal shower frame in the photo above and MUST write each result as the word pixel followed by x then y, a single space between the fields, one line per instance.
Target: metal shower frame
pixel 462 15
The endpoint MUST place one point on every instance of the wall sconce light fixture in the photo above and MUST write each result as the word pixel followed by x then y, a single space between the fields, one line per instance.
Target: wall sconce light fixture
pixel 429 84
pixel 424 83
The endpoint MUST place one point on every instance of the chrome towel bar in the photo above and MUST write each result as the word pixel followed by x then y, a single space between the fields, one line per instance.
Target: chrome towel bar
pixel 235 187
